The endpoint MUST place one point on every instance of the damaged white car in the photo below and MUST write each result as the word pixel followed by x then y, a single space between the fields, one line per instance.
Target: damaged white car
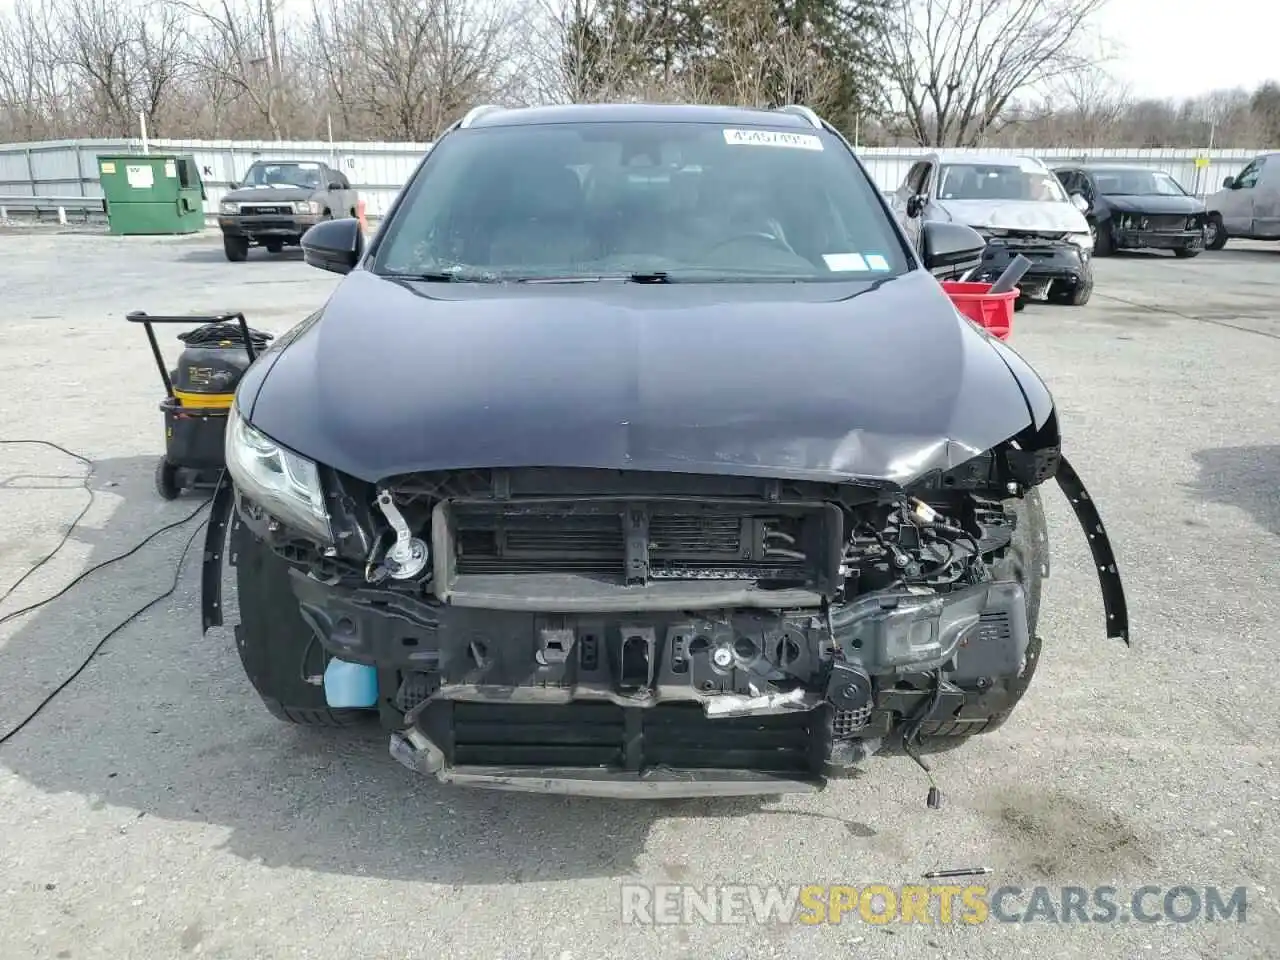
pixel 1019 206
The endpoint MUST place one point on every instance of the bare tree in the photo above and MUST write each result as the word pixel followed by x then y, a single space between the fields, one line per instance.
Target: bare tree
pixel 955 65
pixel 124 58
pixel 242 48
pixel 1087 105
pixel 34 90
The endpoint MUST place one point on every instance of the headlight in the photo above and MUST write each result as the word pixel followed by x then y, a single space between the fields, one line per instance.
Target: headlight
pixel 1082 240
pixel 284 484
pixel 231 208
pixel 306 206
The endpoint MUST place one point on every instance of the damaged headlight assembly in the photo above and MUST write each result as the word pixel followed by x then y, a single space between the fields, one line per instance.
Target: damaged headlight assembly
pixel 284 484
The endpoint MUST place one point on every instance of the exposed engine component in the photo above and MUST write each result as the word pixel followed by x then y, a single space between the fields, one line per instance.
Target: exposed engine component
pixel 408 556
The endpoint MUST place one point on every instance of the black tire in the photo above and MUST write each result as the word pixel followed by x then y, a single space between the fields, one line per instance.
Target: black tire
pixel 1102 242
pixel 1026 561
pixel 1215 234
pixel 1076 295
pixel 236 249
pixel 1186 253
pixel 274 246
pixel 272 640
pixel 167 480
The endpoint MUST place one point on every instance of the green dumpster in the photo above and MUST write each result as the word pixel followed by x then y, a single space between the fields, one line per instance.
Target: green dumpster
pixel 152 193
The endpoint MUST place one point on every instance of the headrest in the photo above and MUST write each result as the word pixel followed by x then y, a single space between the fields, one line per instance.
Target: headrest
pixel 543 191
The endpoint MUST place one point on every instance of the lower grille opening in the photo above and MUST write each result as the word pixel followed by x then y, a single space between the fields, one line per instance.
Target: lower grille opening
pixel 609 737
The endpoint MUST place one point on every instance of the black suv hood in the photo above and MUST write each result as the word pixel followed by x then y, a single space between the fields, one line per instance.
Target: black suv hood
pixel 821 381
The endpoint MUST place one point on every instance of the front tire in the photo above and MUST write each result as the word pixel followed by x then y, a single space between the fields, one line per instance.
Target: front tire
pixel 1103 246
pixel 1078 294
pixel 1027 561
pixel 236 249
pixel 1215 234
pixel 273 640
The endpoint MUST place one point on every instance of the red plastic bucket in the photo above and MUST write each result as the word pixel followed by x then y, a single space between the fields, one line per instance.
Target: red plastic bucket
pixel 994 311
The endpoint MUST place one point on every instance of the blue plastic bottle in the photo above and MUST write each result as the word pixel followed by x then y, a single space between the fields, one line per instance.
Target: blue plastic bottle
pixel 350 685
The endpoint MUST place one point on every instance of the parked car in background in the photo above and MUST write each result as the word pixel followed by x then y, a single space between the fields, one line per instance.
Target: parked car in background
pixel 1136 208
pixel 278 201
pixel 1018 205
pixel 1248 205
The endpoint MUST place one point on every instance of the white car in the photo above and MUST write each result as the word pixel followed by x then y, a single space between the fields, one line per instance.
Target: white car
pixel 1019 206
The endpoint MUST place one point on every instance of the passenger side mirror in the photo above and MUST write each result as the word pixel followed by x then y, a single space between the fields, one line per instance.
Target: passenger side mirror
pixel 1079 202
pixel 1228 183
pixel 333 245
pixel 948 246
pixel 915 205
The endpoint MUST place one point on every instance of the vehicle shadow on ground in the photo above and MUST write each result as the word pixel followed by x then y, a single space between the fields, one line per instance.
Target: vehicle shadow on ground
pixel 215 254
pixel 164 724
pixel 1247 478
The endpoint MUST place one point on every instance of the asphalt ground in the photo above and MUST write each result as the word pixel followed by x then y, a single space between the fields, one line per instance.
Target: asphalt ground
pixel 155 810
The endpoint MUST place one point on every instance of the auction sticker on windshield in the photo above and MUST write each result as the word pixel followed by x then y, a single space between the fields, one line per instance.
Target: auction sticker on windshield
pixel 772 138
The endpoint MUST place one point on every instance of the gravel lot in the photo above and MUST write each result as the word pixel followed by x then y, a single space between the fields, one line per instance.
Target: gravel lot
pixel 154 809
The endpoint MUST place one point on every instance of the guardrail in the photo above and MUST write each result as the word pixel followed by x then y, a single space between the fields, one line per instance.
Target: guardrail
pixel 55 205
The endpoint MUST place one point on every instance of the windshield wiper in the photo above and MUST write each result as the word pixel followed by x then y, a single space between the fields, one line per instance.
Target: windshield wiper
pixel 443 276
pixel 650 276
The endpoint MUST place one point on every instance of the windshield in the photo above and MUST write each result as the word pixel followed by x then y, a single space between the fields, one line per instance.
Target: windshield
pixel 984 181
pixel 283 175
pixel 690 202
pixel 1137 183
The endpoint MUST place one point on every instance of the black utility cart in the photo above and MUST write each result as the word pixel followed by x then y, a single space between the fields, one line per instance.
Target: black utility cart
pixel 199 392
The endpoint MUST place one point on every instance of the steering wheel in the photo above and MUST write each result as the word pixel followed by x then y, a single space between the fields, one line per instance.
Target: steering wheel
pixel 753 235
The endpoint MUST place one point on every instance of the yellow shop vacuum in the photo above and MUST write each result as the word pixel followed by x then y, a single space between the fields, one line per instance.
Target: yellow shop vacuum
pixel 198 395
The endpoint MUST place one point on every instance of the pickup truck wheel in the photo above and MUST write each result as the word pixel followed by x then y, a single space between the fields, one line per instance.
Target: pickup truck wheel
pixel 1215 234
pixel 274 641
pixel 236 249
pixel 1027 561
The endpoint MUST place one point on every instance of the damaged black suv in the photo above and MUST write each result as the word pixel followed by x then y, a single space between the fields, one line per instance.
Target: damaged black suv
pixel 640 454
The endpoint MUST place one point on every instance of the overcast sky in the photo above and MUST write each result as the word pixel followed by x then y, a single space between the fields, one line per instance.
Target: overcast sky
pixel 1183 48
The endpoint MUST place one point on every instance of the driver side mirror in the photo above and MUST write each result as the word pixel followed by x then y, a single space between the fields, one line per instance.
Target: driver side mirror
pixel 333 245
pixel 1079 202
pixel 1228 183
pixel 335 185
pixel 947 247
pixel 915 205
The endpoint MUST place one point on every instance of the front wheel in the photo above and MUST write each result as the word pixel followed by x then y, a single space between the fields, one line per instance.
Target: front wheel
pixel 1215 234
pixel 1027 561
pixel 1076 295
pixel 276 647
pixel 1103 246
pixel 236 249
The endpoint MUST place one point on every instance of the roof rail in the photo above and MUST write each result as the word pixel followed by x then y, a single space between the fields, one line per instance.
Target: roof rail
pixel 476 113
pixel 799 111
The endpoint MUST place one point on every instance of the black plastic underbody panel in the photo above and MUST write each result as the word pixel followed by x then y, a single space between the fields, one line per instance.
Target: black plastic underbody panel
pixel 1104 558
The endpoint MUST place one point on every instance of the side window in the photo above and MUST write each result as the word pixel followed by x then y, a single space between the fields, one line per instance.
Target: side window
pixel 1249 175
pixel 1069 179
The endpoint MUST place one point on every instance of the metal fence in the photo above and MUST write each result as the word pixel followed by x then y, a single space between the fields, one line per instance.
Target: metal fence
pixel 69 169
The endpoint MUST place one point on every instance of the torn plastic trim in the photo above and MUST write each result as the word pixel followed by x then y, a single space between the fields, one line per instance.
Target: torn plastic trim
pixel 1104 559
pixel 215 543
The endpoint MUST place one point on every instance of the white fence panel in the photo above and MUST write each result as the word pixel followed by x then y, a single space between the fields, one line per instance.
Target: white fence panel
pixel 69 168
